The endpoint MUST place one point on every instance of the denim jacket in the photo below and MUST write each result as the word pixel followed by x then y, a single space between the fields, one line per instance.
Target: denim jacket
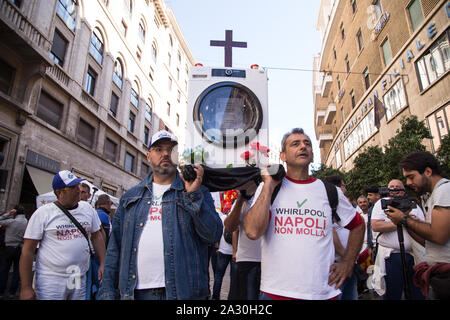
pixel 189 224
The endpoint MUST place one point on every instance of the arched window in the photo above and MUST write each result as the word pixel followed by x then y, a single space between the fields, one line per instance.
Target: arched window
pixel 149 110
pixel 154 52
pixel 96 46
pixel 142 31
pixel 67 11
pixel 134 97
pixel 118 73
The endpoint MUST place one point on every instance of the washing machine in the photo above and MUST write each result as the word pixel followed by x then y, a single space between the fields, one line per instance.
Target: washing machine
pixel 227 114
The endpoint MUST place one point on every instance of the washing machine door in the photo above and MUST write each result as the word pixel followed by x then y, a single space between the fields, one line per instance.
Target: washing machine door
pixel 228 114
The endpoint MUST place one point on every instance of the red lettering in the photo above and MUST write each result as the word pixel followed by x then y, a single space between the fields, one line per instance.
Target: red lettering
pixel 311 220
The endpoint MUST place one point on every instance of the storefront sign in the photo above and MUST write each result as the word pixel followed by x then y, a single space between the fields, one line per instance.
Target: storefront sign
pixel 39 161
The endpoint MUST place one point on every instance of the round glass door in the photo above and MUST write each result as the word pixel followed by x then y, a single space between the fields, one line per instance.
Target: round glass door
pixel 228 113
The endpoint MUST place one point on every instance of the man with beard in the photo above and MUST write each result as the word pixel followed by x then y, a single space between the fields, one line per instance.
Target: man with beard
pixel 422 172
pixel 158 247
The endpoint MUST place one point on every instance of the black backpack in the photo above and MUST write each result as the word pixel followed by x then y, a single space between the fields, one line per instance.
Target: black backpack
pixel 332 195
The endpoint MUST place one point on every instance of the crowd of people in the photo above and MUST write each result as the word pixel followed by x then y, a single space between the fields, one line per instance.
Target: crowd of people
pixel 298 238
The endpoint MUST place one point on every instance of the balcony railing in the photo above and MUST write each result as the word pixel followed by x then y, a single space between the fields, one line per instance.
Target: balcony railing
pixel 14 19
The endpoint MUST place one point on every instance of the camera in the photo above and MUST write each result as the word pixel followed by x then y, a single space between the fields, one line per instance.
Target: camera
pixel 402 204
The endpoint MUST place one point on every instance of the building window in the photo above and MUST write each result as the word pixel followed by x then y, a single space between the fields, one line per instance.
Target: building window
pixel 146 135
pixel 359 39
pixel 342 114
pixel 114 104
pixel 342 31
pixel 85 134
pixel 67 11
pixel 352 98
pixel 354 7
pixel 96 46
pixel 129 162
pixel 415 14
pixel 50 110
pixel 145 170
pixel 178 74
pixel 141 31
pixel 334 53
pixel 394 100
pixel 7 74
pixel 387 54
pixel 118 73
pixel 168 108
pixel 178 120
pixel 110 150
pixel 170 83
pixel 169 59
pixel 154 52
pixel 148 112
pixel 435 62
pixel 338 159
pixel 131 121
pixel 439 126
pixel 347 64
pixel 59 46
pixel 134 98
pixel 91 78
pixel 366 78
pixel 338 80
pixel 360 134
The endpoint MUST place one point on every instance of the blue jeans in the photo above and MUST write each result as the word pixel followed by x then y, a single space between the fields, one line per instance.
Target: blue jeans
pixel 150 294
pixel 221 266
pixel 394 278
pixel 9 256
pixel 349 288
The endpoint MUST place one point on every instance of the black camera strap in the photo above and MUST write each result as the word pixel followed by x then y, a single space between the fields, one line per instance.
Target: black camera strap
pixel 76 223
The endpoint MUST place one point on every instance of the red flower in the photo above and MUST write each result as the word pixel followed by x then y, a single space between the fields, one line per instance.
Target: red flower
pixel 247 155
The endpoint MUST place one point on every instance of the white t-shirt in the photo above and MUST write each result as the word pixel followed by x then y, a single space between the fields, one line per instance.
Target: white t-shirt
pixel 297 248
pixel 224 247
pixel 63 249
pixel 150 254
pixel 247 250
pixel 439 197
pixel 390 239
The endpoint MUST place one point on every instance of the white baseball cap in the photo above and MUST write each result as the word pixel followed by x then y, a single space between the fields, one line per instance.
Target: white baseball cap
pixel 162 134
pixel 64 179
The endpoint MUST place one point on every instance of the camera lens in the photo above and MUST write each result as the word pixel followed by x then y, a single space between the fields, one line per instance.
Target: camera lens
pixel 228 72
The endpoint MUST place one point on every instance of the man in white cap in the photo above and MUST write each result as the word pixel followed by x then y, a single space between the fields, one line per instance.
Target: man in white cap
pixel 158 248
pixel 63 257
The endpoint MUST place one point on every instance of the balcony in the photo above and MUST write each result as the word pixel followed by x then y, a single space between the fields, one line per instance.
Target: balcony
pixel 19 33
pixel 330 113
pixel 320 115
pixel 325 133
pixel 326 85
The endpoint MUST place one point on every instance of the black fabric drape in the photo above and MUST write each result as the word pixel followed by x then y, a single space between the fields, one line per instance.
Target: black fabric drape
pixel 224 179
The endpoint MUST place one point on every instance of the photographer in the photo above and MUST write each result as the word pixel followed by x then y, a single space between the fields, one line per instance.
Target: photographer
pixel 422 173
pixel 388 255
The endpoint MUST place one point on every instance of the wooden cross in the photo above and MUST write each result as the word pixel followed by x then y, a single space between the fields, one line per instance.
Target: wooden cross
pixel 228 44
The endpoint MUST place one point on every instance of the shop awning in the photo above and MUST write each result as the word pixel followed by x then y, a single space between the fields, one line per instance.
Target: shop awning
pixel 42 180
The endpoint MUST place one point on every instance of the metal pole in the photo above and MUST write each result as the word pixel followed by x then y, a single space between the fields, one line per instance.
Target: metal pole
pixel 401 241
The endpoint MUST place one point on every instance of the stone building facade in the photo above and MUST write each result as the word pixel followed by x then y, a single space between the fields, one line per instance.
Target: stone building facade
pixel 390 54
pixel 83 86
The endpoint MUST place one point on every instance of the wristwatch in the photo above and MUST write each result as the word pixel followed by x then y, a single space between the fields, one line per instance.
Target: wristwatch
pixel 403 221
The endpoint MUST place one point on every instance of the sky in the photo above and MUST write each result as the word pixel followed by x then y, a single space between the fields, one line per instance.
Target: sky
pixel 279 34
